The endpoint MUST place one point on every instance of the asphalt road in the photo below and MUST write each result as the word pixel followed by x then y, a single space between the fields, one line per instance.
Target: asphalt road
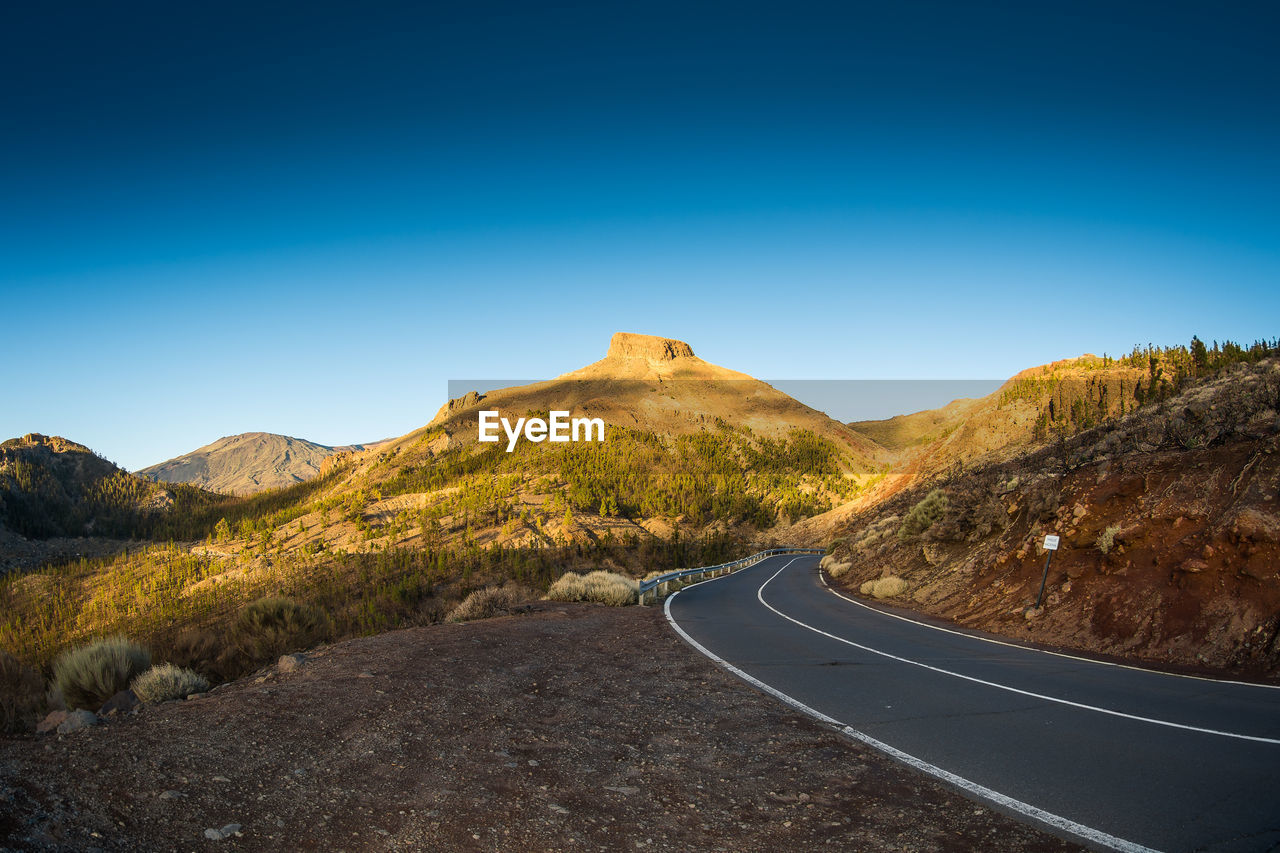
pixel 1117 757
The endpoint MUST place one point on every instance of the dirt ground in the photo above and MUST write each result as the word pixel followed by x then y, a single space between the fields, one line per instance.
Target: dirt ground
pixel 570 727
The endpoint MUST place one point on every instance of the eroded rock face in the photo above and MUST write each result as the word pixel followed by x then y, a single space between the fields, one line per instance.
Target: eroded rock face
pixel 628 345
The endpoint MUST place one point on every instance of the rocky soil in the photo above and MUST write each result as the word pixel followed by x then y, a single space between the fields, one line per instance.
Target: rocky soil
pixel 569 727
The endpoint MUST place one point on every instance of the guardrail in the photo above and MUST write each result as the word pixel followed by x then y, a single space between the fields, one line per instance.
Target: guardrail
pixel 659 586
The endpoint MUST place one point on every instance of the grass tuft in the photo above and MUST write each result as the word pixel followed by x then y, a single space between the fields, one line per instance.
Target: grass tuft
pixel 598 586
pixel 166 681
pixel 488 602
pixel 90 675
pixel 273 626
pixel 889 587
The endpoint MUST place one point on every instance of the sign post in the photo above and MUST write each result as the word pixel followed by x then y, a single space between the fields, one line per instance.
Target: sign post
pixel 1050 545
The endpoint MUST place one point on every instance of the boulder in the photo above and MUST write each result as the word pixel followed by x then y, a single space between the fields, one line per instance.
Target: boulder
pixel 121 703
pixel 225 832
pixel 290 663
pixel 51 722
pixel 77 720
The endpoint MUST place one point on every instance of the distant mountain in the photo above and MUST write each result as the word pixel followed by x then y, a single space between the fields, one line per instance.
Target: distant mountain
pixel 249 462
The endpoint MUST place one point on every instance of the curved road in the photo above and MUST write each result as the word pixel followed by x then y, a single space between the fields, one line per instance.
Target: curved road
pixel 1116 757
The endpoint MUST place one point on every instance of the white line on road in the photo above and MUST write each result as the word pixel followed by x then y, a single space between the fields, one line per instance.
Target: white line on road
pixel 997 685
pixel 1050 819
pixel 840 595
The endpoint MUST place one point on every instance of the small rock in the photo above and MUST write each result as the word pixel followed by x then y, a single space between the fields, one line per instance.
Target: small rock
pixel 121 703
pixel 51 722
pixel 226 832
pixel 191 697
pixel 171 795
pixel 1032 613
pixel 290 663
pixel 76 721
pixel 220 779
pixel 625 790
pixel 365 674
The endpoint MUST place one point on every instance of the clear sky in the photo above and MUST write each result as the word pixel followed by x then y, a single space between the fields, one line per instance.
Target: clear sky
pixel 307 218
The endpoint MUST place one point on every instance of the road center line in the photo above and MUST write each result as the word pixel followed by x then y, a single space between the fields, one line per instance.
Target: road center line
pixel 998 686
pixel 982 792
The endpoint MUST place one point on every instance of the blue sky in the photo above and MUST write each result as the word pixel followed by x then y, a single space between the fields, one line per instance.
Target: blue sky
pixel 307 219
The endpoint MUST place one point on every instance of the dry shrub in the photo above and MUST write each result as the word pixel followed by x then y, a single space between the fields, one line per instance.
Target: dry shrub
pixel 839 570
pixel 270 627
pixel 884 587
pixel 21 695
pixel 203 652
pixel 599 586
pixel 90 675
pixel 488 602
pixel 1106 539
pixel 833 567
pixel 166 681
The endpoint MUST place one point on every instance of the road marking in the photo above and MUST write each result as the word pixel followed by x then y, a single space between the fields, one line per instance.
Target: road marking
pixel 1027 810
pixel 997 685
pixel 838 594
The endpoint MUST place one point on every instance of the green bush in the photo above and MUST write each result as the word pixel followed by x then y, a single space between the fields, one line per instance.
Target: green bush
pixel 923 515
pixel 90 675
pixel 484 603
pixel 166 681
pixel 599 586
pixel 21 695
pixel 270 627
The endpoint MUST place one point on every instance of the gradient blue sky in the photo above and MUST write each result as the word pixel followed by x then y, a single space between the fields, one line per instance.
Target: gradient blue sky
pixel 306 218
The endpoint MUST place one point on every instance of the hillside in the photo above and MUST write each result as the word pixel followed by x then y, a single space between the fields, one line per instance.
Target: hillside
pixel 699 463
pixel 248 463
pixel 51 487
pixel 1169 524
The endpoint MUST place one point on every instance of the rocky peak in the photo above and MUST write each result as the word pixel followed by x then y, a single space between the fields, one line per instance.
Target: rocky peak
pixel 652 347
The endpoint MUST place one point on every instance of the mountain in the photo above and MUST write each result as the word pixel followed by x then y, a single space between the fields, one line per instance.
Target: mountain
pixel 247 463
pixel 53 487
pixel 698 463
pixel 1157 470
pixel 689 442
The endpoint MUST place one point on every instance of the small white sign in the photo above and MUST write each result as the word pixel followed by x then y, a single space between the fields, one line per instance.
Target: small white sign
pixel 1051 543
